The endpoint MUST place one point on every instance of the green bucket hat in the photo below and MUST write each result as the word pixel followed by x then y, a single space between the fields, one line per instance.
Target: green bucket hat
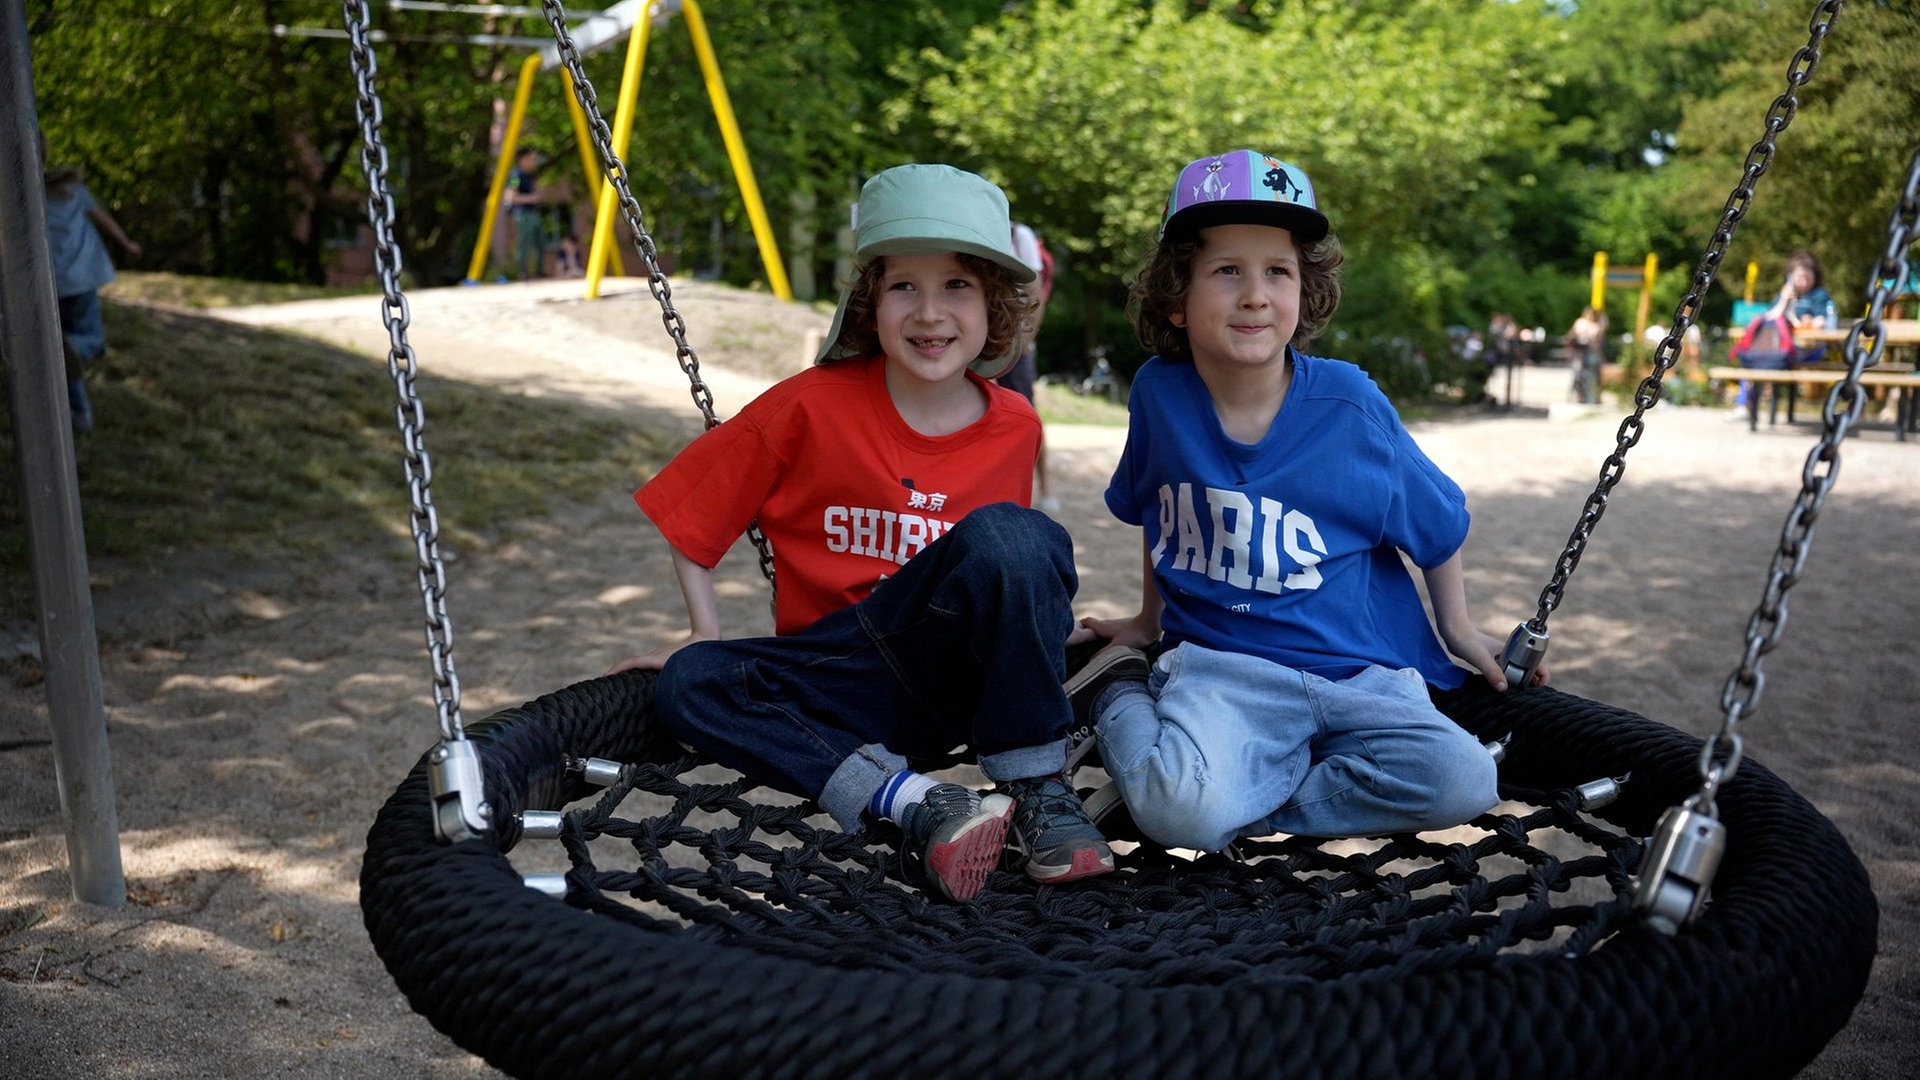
pixel 927 210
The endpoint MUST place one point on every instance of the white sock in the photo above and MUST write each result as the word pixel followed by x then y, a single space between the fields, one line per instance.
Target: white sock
pixel 901 790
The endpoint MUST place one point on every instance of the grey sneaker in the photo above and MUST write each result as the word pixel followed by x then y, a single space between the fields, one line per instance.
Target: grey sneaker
pixel 1051 829
pixel 955 836
pixel 1108 666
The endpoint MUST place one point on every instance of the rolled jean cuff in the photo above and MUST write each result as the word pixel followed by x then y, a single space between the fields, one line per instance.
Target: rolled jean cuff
pixel 1046 759
pixel 850 789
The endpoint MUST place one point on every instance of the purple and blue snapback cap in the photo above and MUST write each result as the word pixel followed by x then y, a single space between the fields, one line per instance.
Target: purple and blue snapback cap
pixel 1242 187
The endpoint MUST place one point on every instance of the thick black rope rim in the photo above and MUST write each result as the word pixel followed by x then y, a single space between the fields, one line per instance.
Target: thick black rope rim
pixel 772 973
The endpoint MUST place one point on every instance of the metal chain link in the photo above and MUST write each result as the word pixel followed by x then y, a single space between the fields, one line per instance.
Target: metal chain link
pixel 616 174
pixel 1864 346
pixel 1759 158
pixel 402 366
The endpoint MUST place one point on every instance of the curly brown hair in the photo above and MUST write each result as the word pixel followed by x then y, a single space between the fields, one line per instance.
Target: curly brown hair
pixel 1160 290
pixel 1011 307
pixel 1806 258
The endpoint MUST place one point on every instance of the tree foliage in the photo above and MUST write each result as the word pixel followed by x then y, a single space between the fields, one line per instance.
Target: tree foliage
pixel 1841 162
pixel 1473 154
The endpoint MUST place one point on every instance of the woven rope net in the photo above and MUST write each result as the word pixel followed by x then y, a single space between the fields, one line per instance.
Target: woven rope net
pixel 735 931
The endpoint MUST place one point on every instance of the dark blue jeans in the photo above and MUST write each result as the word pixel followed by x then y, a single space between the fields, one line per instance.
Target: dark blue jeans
pixel 81 324
pixel 964 645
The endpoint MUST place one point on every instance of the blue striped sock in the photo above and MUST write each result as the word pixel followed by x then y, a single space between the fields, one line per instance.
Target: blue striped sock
pixel 901 790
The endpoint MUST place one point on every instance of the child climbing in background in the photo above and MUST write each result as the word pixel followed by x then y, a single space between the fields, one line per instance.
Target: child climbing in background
pixel 921 603
pixel 81 267
pixel 1278 491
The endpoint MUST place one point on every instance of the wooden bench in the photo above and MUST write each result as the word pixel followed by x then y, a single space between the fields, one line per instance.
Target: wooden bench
pixel 1905 383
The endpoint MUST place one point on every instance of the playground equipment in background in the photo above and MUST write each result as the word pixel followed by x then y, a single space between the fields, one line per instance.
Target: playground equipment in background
pixel 635 17
pixel 1606 277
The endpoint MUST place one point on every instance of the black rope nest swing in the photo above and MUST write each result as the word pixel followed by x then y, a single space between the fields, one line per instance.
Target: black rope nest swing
pixel 777 947
pixel 752 938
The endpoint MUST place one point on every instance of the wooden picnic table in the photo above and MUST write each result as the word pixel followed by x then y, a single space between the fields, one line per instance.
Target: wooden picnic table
pixel 1898 332
pixel 1900 379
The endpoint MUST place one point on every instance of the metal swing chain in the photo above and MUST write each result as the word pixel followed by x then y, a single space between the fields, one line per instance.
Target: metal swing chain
pixel 616 173
pixel 403 367
pixel 1687 842
pixel 1527 646
pixel 454 777
pixel 1864 346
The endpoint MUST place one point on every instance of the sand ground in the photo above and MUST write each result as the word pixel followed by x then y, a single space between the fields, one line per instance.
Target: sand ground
pixel 257 720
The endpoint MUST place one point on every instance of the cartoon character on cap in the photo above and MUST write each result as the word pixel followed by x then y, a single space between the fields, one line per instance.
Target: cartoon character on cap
pixel 1240 187
pixel 922 210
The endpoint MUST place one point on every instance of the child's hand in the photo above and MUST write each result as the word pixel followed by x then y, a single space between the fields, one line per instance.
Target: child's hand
pixel 1483 650
pixel 1136 631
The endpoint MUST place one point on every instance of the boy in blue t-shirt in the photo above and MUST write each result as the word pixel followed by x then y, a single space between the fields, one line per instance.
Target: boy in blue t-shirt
pixel 1277 493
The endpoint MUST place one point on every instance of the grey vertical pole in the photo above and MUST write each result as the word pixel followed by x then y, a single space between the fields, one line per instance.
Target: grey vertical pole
pixel 50 486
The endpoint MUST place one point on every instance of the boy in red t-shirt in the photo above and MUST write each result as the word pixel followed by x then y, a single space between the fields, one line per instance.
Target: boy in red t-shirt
pixel 922 604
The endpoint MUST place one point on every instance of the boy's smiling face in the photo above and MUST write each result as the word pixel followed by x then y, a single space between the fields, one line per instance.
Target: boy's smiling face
pixel 931 317
pixel 1243 303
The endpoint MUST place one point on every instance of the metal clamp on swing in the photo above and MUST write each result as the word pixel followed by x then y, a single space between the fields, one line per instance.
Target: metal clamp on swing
pixel 1595 794
pixel 460 810
pixel 1526 647
pixel 1678 867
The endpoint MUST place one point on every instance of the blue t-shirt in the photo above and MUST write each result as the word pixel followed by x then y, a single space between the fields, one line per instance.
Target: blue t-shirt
pixel 1289 548
pixel 79 256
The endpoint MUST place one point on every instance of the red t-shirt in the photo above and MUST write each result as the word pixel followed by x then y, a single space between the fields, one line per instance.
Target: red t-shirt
pixel 845 491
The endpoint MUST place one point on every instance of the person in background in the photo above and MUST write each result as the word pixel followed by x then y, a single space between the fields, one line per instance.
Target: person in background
pixel 1503 340
pixel 1025 371
pixel 568 262
pixel 1586 342
pixel 76 225
pixel 1803 296
pixel 1805 302
pixel 525 213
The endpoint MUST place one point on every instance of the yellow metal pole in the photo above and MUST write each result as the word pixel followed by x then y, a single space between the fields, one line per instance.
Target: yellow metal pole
pixel 589 161
pixel 737 153
pixel 1753 275
pixel 622 131
pixel 1646 297
pixel 1599 300
pixel 501 166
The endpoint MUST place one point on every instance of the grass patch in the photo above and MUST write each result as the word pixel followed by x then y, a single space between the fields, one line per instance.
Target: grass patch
pixel 221 438
pixel 1058 404
pixel 201 293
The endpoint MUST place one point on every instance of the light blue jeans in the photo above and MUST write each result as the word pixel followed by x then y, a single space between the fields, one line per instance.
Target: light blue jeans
pixel 1226 745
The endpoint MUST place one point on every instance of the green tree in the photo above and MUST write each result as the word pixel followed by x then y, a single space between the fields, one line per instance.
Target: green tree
pixel 224 139
pixel 808 80
pixel 1111 96
pixel 1840 164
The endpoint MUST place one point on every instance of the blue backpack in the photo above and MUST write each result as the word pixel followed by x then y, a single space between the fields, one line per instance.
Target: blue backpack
pixel 1767 343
